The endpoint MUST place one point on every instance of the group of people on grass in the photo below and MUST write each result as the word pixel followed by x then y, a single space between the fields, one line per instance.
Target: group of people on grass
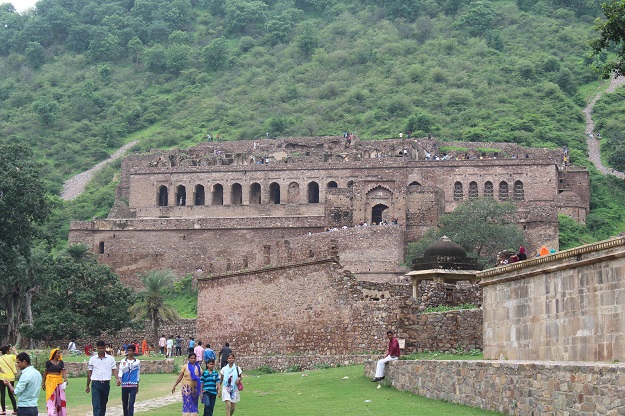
pixel 197 382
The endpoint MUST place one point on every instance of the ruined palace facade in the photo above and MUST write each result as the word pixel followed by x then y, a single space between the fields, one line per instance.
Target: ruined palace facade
pixel 202 209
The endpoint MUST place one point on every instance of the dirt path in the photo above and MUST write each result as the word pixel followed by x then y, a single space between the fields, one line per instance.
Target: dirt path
pixel 594 151
pixel 75 185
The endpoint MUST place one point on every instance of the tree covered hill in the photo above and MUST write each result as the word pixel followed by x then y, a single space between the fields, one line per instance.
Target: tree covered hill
pixel 78 78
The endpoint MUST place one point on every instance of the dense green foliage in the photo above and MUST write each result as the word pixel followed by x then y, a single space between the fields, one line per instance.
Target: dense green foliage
pixel 79 298
pixel 612 38
pixel 483 227
pixel 79 78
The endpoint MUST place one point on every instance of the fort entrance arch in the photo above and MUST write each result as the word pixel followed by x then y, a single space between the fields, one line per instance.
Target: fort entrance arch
pixel 379 204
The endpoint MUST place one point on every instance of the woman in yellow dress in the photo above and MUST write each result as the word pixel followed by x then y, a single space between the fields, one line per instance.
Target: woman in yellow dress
pixel 191 386
pixel 7 372
pixel 54 382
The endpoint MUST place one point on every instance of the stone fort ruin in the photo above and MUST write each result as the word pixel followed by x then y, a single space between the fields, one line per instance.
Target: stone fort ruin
pixel 225 206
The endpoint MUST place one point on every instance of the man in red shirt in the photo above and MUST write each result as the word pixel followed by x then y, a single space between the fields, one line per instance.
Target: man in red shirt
pixel 391 355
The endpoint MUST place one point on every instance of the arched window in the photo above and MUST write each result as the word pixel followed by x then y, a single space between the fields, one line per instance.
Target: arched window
pixel 236 194
pixel 218 194
pixel 519 192
pixel 199 195
pixel 473 194
pixel 489 189
pixel 163 197
pixel 332 184
pixel 101 247
pixel 255 194
pixel 414 183
pixel 313 193
pixel 181 196
pixel 503 191
pixel 350 184
pixel 274 193
pixel 458 192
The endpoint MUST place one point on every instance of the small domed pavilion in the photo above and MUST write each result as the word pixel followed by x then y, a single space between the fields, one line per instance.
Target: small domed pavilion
pixel 443 262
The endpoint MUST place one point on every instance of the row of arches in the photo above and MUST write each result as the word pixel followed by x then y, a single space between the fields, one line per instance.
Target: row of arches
pixel 218 195
pixel 503 192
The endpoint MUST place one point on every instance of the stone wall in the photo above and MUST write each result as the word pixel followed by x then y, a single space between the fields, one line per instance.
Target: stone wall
pixel 520 388
pixel 184 327
pixel 162 366
pixel 432 294
pixel 222 204
pixel 301 362
pixel 310 305
pixel 566 306
pixel 444 331
pixel 305 308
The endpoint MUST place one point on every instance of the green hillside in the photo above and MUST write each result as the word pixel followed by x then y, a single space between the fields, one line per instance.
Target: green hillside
pixel 80 78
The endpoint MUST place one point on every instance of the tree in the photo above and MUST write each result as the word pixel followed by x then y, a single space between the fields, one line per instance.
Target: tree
pixel 245 16
pixel 307 38
pixel 152 306
pixel 23 206
pixel 215 54
pixel 35 54
pixel 81 298
pixel 483 227
pixel 611 34
pixel 477 20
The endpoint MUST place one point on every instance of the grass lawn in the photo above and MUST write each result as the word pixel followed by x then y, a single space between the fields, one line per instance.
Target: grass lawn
pixel 79 402
pixel 333 391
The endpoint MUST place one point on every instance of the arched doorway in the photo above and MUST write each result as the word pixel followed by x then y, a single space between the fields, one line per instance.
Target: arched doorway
pixel 379 213
pixel 379 204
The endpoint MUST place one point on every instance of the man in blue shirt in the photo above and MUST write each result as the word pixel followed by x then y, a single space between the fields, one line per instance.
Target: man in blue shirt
pixel 27 389
pixel 130 373
pixel 209 354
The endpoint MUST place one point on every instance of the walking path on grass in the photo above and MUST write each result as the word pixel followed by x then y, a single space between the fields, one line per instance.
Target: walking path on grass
pixel 594 148
pixel 76 185
pixel 143 406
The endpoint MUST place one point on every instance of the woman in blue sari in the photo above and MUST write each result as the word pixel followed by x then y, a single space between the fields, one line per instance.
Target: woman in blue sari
pixel 191 386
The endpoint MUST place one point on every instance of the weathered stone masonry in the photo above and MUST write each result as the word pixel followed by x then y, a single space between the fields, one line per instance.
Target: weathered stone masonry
pixel 186 209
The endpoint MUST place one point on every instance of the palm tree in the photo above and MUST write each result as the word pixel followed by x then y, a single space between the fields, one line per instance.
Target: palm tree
pixel 80 253
pixel 152 306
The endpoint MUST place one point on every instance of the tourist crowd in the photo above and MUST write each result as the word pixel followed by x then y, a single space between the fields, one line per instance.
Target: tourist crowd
pixel 200 378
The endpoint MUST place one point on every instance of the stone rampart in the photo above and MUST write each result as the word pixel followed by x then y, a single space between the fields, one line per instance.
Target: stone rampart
pixel 565 306
pixel 520 388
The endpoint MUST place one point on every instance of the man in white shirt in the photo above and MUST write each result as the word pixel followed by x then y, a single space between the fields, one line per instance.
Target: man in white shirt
pixel 71 347
pixel 99 372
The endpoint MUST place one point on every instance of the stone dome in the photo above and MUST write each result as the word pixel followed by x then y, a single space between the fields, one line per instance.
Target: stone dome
pixel 445 248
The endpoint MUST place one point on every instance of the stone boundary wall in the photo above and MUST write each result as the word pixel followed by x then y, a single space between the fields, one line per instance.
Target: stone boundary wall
pixel 184 327
pixel 445 331
pixel 520 388
pixel 568 306
pixel 304 362
pixel 147 367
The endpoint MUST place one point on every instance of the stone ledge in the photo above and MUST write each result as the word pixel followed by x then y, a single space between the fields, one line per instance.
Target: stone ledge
pixel 521 388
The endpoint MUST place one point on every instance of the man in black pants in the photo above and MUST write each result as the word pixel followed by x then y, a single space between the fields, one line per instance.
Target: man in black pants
pixel 223 354
pixel 99 376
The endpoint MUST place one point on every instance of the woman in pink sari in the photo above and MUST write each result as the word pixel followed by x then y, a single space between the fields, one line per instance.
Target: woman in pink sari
pixel 54 383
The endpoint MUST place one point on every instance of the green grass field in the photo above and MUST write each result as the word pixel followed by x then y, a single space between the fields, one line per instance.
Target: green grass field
pixel 333 391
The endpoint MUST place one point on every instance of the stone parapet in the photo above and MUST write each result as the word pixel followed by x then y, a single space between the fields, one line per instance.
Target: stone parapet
pixel 565 306
pixel 520 388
